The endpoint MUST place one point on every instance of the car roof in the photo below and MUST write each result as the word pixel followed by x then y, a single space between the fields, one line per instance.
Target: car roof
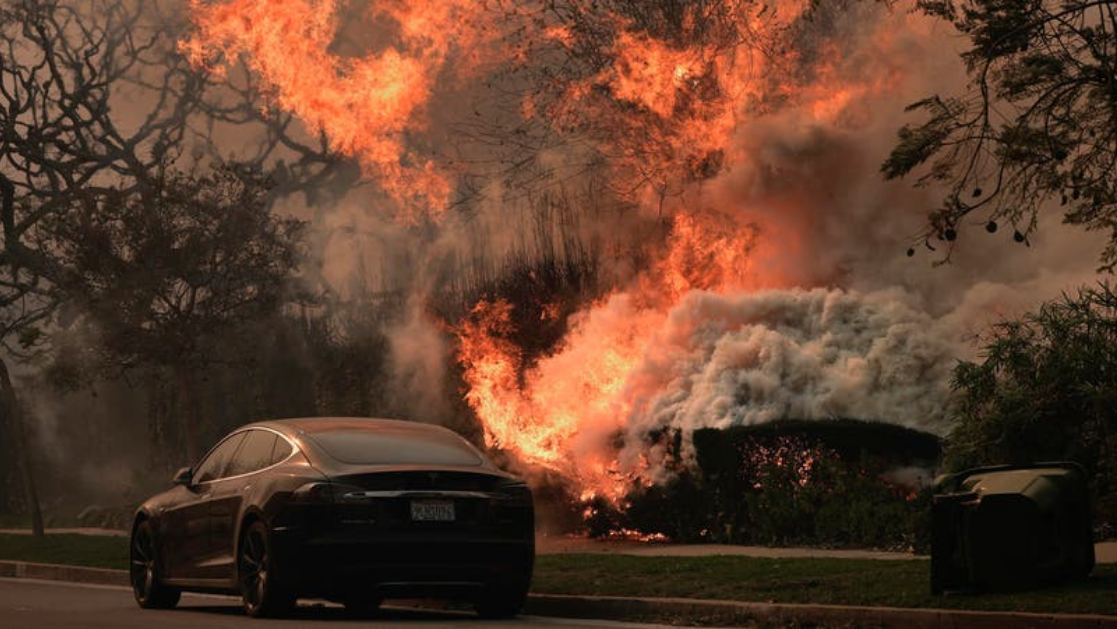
pixel 302 431
pixel 295 426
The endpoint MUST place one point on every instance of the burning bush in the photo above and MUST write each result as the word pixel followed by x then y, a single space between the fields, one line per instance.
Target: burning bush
pixel 812 483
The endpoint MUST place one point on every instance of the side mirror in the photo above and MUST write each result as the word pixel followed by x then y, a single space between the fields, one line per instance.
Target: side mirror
pixel 183 476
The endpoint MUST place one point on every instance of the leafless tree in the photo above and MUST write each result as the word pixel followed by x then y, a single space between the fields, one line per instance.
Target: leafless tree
pixel 98 112
pixel 63 71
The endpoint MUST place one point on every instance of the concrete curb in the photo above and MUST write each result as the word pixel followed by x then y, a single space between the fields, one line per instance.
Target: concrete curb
pixel 56 572
pixel 734 613
pixel 690 611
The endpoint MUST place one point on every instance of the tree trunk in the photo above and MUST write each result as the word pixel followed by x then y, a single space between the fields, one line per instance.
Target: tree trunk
pixel 188 394
pixel 11 415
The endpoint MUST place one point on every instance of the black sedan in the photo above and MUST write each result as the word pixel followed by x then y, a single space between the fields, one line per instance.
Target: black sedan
pixel 350 510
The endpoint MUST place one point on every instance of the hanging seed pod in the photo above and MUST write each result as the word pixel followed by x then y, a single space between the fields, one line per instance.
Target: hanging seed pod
pixel 1017 236
pixel 991 227
pixel 949 234
pixel 911 252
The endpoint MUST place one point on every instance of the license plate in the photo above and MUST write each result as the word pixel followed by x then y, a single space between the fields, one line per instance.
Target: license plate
pixel 432 510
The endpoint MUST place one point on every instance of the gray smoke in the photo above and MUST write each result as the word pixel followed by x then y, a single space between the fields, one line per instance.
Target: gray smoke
pixel 750 358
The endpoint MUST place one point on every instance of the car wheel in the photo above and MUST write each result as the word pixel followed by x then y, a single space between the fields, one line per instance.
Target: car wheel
pixel 144 569
pixel 262 590
pixel 501 601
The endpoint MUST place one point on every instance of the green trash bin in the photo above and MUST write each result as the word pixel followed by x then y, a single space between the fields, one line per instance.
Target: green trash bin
pixel 1011 527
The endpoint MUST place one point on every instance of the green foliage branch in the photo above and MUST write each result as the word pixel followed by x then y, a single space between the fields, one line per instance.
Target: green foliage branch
pixel 1036 126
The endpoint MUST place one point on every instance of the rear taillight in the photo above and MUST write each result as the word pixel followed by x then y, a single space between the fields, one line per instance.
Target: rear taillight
pixel 327 493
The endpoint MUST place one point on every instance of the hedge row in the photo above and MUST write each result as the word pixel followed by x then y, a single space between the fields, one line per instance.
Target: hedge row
pixel 835 483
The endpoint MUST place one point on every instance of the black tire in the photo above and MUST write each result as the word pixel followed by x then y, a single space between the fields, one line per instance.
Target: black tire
pixel 144 569
pixel 262 588
pixel 504 600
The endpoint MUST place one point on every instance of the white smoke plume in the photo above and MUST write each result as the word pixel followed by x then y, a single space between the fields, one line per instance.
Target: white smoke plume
pixel 750 358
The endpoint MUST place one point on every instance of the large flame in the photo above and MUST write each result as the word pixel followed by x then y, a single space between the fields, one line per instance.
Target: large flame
pixel 700 338
pixel 664 97
pixel 559 413
pixel 662 106
pixel 365 105
pixel 660 98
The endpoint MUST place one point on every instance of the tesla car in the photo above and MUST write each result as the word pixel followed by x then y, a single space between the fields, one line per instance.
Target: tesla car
pixel 347 509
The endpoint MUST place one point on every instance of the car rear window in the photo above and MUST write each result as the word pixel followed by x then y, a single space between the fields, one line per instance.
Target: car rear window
pixel 397 447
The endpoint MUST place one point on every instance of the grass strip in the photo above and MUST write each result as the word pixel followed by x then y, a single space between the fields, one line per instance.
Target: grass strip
pixel 823 581
pixel 820 581
pixel 96 551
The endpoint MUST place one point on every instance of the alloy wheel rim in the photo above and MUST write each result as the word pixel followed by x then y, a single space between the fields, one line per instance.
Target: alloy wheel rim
pixel 143 563
pixel 254 569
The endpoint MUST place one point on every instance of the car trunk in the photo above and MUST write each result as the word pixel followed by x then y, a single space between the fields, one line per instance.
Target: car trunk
pixel 432 503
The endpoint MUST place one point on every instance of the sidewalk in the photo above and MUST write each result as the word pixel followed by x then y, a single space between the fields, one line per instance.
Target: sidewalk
pixel 558 545
pixel 740 614
pixel 1105 552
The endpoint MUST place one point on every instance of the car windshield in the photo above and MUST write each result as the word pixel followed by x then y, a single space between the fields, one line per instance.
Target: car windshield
pixel 397 447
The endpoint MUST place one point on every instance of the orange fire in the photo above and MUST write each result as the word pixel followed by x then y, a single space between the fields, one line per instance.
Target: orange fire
pixel 681 107
pixel 707 252
pixel 366 105
pixel 543 416
pixel 662 106
pixel 562 413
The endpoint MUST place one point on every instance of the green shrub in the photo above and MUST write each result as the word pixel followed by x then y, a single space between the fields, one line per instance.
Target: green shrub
pixel 1046 390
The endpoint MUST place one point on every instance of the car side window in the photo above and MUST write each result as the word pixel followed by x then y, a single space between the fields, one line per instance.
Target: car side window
pixel 213 466
pixel 254 453
pixel 281 451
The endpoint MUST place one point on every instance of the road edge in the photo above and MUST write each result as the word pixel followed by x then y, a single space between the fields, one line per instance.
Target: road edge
pixel 690 611
pixel 735 613
pixel 59 572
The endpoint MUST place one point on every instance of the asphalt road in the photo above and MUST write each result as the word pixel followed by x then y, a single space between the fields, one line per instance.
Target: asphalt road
pixel 31 604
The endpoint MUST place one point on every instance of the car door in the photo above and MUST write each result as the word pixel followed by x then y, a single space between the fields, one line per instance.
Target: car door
pixel 227 498
pixel 189 523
